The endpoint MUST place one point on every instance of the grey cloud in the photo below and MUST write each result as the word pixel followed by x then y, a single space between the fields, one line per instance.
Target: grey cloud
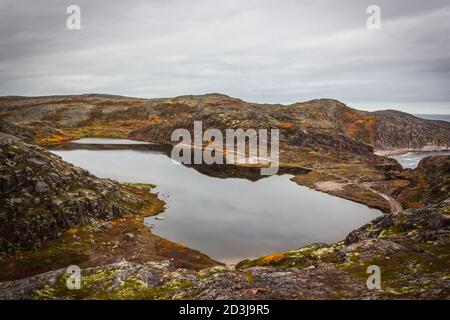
pixel 263 51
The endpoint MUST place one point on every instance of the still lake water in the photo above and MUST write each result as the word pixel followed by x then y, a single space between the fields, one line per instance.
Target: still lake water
pixel 228 219
pixel 441 117
pixel 412 159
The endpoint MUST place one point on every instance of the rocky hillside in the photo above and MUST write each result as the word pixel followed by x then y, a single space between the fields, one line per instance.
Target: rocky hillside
pixel 428 183
pixel 43 196
pixel 401 131
pixel 436 171
pixel 19 132
pixel 313 124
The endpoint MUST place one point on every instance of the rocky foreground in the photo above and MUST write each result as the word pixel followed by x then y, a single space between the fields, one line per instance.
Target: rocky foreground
pixel 410 248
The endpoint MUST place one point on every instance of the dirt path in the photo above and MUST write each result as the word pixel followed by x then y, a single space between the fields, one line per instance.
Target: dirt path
pixel 396 207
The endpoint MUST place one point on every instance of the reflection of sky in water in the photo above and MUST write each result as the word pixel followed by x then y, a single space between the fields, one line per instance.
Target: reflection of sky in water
pixel 108 141
pixel 412 159
pixel 228 219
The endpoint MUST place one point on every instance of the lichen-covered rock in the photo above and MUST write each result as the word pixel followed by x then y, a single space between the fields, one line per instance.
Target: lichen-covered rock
pixel 411 250
pixel 424 221
pixel 401 131
pixel 42 196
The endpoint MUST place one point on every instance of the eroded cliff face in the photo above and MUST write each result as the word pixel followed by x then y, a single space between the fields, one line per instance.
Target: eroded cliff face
pixel 398 131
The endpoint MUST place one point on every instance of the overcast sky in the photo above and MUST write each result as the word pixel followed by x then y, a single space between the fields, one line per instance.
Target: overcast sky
pixel 278 51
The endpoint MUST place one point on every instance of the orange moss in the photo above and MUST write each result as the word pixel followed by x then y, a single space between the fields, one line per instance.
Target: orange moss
pixel 273 259
pixel 107 129
pixel 154 119
pixel 54 139
pixel 360 127
pixel 286 125
pixel 72 231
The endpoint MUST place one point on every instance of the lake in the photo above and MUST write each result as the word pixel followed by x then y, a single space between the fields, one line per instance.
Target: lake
pixel 229 219
pixel 412 159
pixel 441 117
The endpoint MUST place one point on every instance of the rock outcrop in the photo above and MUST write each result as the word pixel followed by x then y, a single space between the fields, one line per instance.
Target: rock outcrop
pixel 19 132
pixel 403 132
pixel 411 250
pixel 42 196
pixel 429 183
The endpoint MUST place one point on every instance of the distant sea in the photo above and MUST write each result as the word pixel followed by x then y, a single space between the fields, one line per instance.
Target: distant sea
pixel 444 117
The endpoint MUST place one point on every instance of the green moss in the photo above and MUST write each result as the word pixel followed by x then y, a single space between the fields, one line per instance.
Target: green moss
pixel 407 292
pixel 339 295
pixel 52 256
pixel 415 197
pixel 445 211
pixel 211 271
pixel 353 256
pixel 391 231
pixel 300 258
pixel 90 286
pixel 143 185
pixel 97 286
pixel 401 268
pixel 134 289
pixel 131 288
pixel 249 277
